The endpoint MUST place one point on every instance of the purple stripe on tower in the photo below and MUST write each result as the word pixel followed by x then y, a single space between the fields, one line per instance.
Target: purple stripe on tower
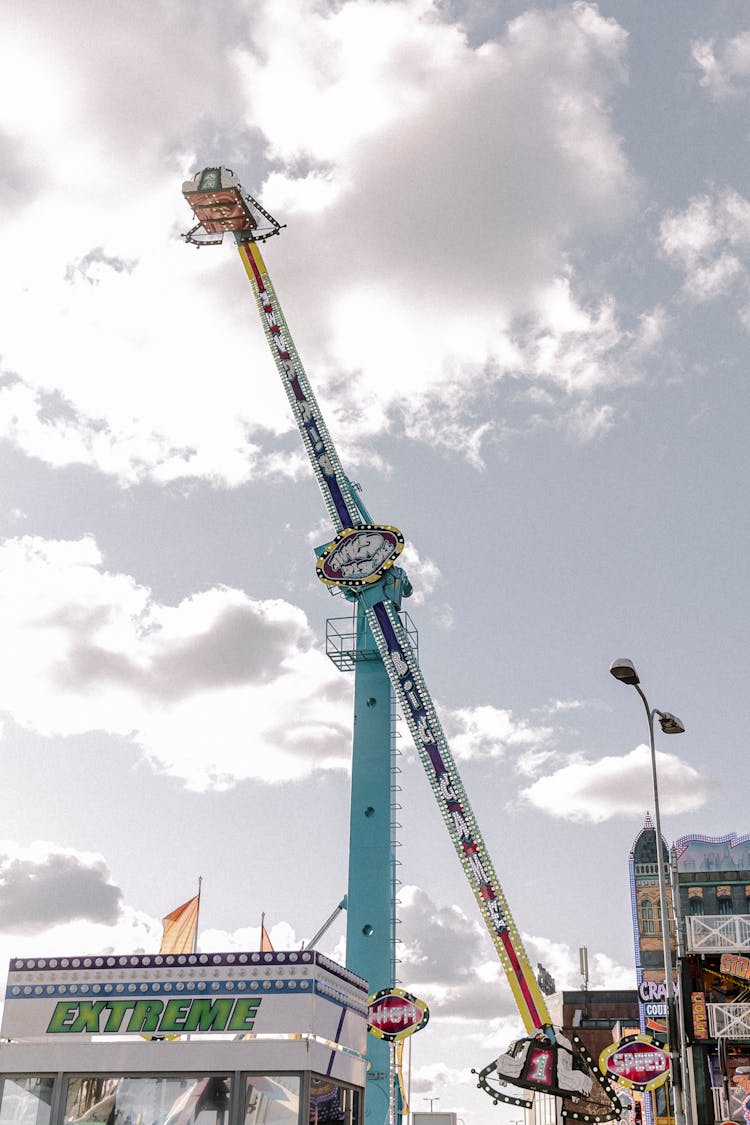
pixel 339 502
pixel 336 1037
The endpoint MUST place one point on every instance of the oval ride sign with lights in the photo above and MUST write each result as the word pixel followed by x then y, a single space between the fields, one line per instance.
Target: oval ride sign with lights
pixel 636 1061
pixel 359 556
pixel 393 1014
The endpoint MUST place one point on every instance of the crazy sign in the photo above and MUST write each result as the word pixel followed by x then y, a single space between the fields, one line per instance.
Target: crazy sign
pixel 636 1061
pixel 393 1014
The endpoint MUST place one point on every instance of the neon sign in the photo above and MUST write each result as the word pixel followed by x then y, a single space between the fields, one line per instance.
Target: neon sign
pixel 393 1014
pixel 636 1061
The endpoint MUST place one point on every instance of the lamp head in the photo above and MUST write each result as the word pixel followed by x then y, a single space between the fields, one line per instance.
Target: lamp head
pixel 669 723
pixel 624 670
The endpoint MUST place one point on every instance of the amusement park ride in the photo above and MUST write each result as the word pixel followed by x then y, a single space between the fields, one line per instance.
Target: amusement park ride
pixel 360 562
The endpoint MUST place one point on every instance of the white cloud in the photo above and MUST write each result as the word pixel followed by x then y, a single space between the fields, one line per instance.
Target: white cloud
pixel 420 248
pixel 710 239
pixel 446 959
pixel 492 732
pixel 724 67
pixel 202 688
pixel 571 342
pixel 443 957
pixel 133 932
pixel 424 574
pixel 562 963
pixel 282 935
pixel 555 706
pixel 585 790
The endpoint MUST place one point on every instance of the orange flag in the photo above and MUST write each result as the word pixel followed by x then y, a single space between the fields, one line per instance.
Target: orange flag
pixel 181 928
pixel 265 941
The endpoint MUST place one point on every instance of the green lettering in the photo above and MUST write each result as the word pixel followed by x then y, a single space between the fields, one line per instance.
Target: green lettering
pixel 208 1015
pixel 145 1015
pixel 62 1016
pixel 243 1016
pixel 88 1015
pixel 117 1010
pixel 174 1015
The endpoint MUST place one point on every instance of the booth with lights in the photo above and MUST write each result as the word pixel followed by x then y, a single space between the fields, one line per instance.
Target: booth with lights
pixel 183 1039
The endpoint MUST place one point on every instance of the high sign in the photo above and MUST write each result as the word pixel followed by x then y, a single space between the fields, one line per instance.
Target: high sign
pixel 175 994
pixel 636 1061
pixel 393 1014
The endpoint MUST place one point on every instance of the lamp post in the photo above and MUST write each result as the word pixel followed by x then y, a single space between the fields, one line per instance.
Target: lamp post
pixel 624 671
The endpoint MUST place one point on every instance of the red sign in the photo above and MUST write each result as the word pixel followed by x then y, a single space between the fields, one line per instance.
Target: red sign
pixel 636 1061
pixel 393 1014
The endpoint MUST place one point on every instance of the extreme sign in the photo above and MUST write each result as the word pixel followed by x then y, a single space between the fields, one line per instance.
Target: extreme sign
pixel 636 1061
pixel 101 1017
pixel 393 1014
pixel 230 993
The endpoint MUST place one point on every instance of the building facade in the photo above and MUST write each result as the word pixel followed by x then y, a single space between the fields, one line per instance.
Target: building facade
pixel 649 954
pixel 708 903
pixel 713 907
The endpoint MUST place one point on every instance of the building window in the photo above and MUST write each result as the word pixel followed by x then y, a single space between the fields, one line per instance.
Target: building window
pixel 647 917
pixel 695 900
pixel 724 899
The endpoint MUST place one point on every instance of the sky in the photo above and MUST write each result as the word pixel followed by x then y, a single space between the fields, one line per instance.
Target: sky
pixel 515 265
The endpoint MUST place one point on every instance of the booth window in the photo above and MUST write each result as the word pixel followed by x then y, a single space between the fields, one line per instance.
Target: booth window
pixel 272 1099
pixel 26 1099
pixel 330 1102
pixel 156 1100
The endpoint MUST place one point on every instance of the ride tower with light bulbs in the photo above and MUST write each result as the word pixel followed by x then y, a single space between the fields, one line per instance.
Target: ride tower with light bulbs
pixel 361 562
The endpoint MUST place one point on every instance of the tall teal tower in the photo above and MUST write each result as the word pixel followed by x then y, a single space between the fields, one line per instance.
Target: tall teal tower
pixel 371 884
pixel 372 881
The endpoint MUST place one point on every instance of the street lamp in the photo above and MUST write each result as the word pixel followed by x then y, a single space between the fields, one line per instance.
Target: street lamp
pixel 624 671
pixel 431 1101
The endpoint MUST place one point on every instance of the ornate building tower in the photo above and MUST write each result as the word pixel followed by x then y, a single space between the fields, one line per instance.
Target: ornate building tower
pixel 647 926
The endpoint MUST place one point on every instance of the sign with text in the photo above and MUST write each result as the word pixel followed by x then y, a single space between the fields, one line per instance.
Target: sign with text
pixel 735 966
pixel 394 1014
pixel 636 1061
pixel 176 994
pixel 700 1015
